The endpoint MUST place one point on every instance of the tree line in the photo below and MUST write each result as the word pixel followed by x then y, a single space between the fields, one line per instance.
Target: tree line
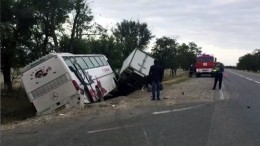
pixel 33 28
pixel 250 61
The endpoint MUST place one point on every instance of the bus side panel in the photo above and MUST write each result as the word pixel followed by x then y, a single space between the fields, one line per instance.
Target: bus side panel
pixel 54 97
pixel 108 83
pixel 103 78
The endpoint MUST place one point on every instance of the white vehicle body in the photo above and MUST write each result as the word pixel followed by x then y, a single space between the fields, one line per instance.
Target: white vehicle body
pixel 51 84
pixel 138 62
pixel 135 69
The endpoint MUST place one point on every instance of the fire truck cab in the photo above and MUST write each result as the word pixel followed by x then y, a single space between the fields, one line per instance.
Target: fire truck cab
pixel 205 64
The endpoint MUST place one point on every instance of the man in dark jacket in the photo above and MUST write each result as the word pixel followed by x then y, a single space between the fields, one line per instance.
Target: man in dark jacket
pixel 156 76
pixel 218 71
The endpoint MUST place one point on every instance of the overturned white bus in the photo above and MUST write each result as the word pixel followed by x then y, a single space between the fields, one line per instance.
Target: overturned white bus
pixel 62 80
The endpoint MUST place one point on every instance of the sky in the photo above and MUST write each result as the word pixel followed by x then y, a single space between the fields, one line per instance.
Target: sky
pixel 228 29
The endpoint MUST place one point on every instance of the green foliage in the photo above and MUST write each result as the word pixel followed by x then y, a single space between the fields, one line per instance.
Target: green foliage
pixel 165 50
pixel 132 35
pixel 172 55
pixel 250 62
pixel 187 55
pixel 108 46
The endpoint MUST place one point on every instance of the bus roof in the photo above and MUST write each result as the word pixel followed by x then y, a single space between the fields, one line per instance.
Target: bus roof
pixel 48 56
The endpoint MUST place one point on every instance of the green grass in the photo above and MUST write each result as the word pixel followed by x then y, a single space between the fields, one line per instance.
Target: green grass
pixel 181 77
pixel 15 106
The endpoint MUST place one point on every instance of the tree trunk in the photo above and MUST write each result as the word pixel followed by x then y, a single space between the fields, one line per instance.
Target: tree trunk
pixel 52 28
pixel 56 44
pixel 72 36
pixel 46 39
pixel 6 66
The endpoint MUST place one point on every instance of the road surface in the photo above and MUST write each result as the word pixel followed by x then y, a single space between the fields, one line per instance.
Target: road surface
pixel 232 119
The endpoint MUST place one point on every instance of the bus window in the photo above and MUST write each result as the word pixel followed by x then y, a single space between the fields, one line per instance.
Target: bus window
pixel 99 61
pixel 93 60
pixel 88 62
pixel 103 60
pixel 81 62
pixel 68 62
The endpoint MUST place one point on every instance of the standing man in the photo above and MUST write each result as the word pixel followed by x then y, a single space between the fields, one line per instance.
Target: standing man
pixel 218 70
pixel 156 76
pixel 191 70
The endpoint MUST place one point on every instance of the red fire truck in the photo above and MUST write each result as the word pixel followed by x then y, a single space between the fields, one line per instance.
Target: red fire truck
pixel 205 64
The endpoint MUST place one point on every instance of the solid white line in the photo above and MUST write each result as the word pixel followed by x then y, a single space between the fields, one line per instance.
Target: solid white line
pixel 257 82
pixel 244 77
pixel 113 128
pixel 221 92
pixel 177 110
pixel 248 79
pixel 221 95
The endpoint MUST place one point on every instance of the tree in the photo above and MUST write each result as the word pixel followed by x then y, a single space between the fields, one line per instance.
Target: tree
pixel 16 24
pixel 187 55
pixel 82 18
pixel 194 48
pixel 108 46
pixel 132 35
pixel 165 50
pixel 51 14
pixel 250 62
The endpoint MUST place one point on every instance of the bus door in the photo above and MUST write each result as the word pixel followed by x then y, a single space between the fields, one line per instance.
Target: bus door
pixel 78 70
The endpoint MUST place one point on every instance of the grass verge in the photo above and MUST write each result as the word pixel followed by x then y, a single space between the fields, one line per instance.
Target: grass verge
pixel 15 106
pixel 181 77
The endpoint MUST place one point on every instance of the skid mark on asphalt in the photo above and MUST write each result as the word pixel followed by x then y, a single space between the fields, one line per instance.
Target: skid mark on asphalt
pixel 113 128
pixel 177 110
pixel 146 137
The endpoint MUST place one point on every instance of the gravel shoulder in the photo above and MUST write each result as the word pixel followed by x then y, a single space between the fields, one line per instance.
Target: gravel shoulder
pixel 192 90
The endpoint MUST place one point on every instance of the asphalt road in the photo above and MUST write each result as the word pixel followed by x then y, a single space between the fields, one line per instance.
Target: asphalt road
pixel 232 119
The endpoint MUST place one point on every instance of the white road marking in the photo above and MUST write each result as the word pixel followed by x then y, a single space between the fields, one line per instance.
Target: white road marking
pixel 221 95
pixel 177 110
pixel 244 77
pixel 248 79
pixel 257 82
pixel 113 128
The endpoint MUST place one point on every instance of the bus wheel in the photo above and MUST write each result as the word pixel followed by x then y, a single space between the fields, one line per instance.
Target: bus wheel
pixel 197 75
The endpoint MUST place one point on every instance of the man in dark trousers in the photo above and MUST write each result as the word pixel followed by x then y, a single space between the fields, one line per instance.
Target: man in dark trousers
pixel 156 76
pixel 218 71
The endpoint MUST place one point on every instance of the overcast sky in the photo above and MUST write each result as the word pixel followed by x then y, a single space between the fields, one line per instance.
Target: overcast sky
pixel 226 28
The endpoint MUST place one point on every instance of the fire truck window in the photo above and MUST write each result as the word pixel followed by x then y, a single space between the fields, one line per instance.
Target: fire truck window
pixel 103 60
pixel 93 60
pixel 88 62
pixel 81 62
pixel 205 59
pixel 99 61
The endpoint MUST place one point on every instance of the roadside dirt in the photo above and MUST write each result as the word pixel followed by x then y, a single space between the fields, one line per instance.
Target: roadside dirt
pixel 190 91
